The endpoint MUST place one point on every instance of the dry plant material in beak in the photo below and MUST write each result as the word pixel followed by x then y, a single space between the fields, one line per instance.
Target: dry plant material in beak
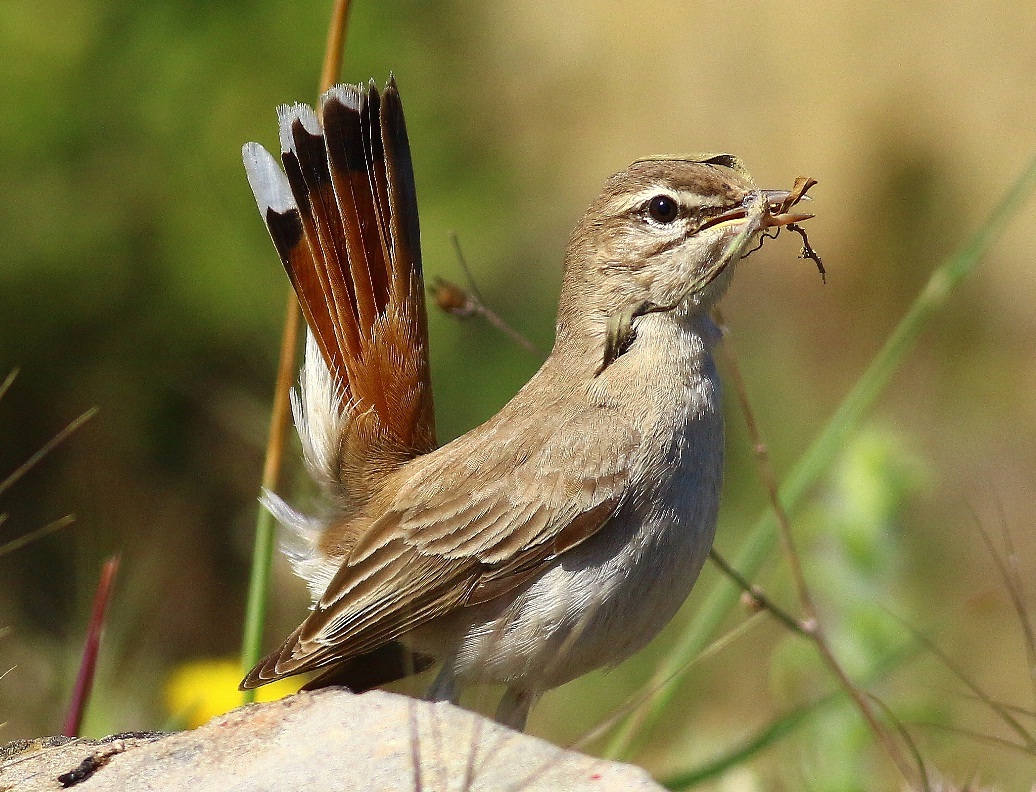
pixel 779 217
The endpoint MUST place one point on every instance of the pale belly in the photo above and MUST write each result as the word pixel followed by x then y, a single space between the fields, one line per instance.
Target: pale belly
pixel 605 599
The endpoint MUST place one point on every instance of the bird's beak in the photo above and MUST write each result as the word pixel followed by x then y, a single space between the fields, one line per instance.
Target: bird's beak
pixel 770 207
pixel 761 210
pixel 734 214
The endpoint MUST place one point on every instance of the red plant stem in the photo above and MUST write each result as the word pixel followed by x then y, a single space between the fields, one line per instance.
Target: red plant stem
pixel 88 665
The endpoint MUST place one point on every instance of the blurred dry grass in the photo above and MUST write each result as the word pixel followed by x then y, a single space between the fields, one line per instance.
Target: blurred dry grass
pixel 136 276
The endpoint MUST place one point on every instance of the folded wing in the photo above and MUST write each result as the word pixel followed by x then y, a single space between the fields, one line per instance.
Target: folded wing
pixel 442 545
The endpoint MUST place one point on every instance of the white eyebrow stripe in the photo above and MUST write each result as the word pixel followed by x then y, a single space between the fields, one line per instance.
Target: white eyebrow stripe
pixel 709 201
pixel 683 197
pixel 636 200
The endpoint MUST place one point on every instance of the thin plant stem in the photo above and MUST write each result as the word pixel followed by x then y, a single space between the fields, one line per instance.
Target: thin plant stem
pixel 262 555
pixel 635 701
pixel 476 304
pixel 463 261
pixel 6 384
pixel 8 481
pixel 335 49
pixel 780 727
pixel 643 695
pixel 265 527
pixel 814 627
pixel 26 539
pixel 990 739
pixel 908 740
pixel 1016 586
pixel 995 706
pixel 757 595
pixel 1007 568
pixel 759 544
pixel 1008 707
pixel 88 665
pixel 769 735
pixel 46 448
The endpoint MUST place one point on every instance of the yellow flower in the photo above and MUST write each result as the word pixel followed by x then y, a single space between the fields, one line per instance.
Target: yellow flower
pixel 198 691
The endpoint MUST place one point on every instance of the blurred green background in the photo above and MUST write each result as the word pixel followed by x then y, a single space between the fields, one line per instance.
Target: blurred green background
pixel 136 275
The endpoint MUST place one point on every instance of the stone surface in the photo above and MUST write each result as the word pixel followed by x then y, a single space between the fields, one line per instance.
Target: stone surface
pixel 327 740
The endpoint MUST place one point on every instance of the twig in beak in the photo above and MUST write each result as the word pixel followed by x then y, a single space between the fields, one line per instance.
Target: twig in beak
pixel 778 216
pixel 798 192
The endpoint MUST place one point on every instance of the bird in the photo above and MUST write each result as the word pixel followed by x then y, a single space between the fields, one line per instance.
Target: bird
pixel 562 534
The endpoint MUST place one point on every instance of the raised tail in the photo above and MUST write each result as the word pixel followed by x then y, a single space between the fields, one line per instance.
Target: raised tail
pixel 343 218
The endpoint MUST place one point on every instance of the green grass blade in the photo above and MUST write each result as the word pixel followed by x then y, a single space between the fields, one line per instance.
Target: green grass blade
pixel 760 542
pixel 772 733
pixel 258 594
pixel 782 726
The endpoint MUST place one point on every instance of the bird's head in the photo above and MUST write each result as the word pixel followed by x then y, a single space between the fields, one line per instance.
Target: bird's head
pixel 666 234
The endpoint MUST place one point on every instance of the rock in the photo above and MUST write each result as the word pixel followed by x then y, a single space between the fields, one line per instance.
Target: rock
pixel 326 740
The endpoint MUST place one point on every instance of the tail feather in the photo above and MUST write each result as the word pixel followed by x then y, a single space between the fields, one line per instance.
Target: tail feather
pixel 343 217
pixel 388 663
pixel 308 171
pixel 343 109
pixel 280 211
pixel 300 544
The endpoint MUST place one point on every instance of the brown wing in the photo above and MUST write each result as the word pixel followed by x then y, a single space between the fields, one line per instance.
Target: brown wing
pixel 343 217
pixel 472 521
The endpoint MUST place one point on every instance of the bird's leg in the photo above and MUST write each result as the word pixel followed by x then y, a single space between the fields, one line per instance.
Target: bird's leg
pixel 514 707
pixel 446 686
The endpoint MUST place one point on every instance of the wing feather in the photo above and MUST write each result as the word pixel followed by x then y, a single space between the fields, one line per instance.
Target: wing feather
pixel 430 554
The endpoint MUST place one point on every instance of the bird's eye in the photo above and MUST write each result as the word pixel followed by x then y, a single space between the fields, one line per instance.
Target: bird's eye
pixel 663 209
